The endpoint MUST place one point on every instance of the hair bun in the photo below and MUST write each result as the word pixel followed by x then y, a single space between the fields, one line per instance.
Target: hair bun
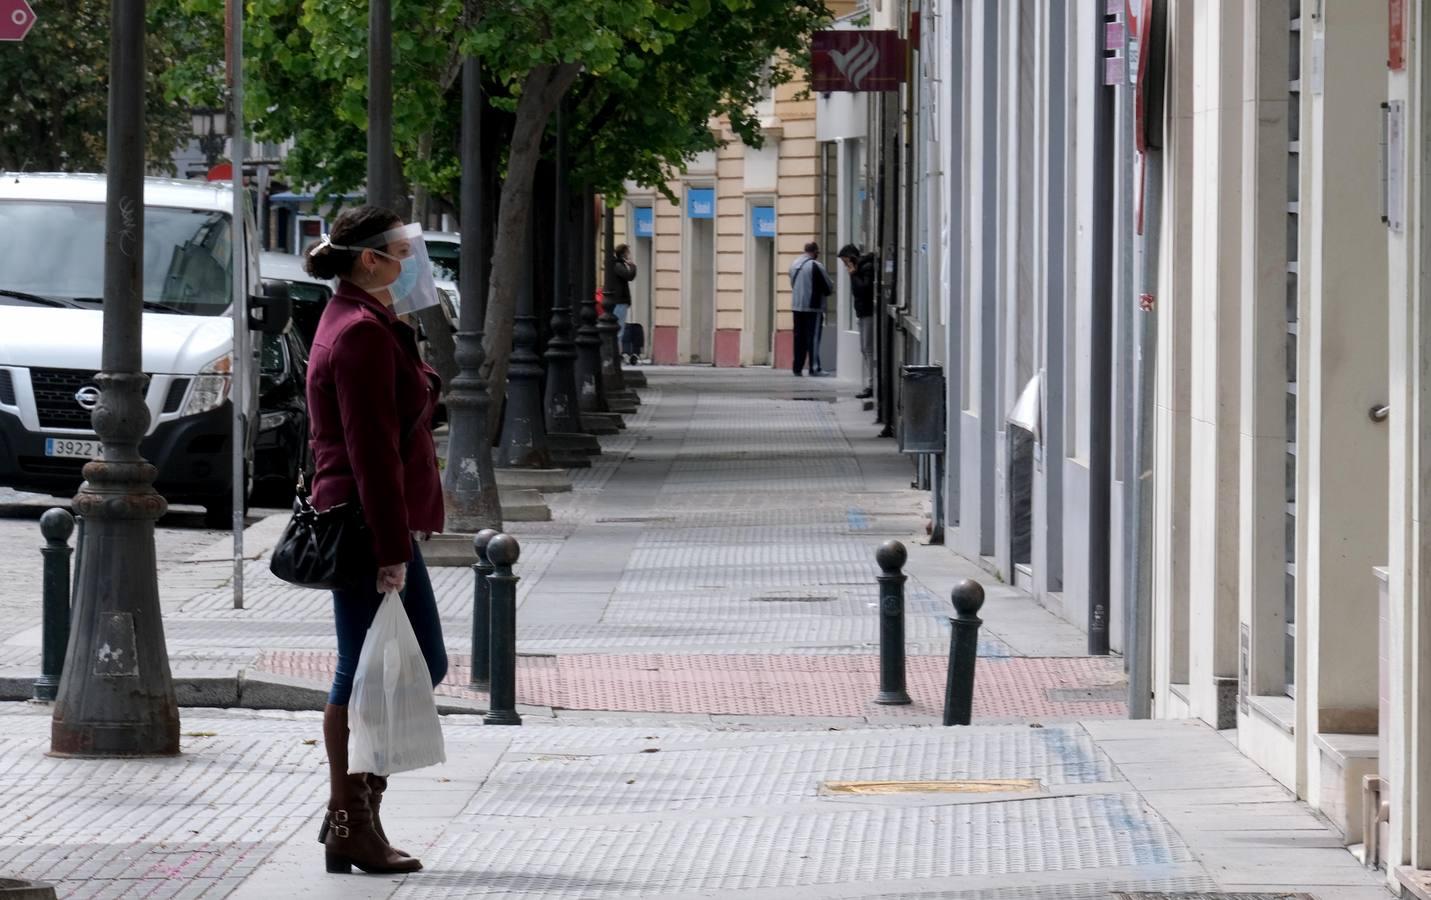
pixel 320 262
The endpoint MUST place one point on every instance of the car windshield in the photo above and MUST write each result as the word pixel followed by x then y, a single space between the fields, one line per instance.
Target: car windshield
pixel 56 250
pixel 446 259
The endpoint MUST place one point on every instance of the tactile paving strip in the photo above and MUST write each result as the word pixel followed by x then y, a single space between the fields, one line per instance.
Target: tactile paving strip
pixel 196 824
pixel 771 685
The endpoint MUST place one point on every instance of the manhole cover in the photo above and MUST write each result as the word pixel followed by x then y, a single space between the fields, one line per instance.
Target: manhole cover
pixel 981 786
pixel 1094 695
pixel 1208 895
pixel 794 598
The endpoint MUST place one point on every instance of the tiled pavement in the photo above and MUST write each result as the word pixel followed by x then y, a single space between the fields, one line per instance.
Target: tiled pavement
pixel 675 811
pixel 702 595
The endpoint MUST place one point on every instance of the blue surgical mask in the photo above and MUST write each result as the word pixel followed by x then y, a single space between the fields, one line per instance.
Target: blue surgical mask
pixel 406 280
pixel 407 276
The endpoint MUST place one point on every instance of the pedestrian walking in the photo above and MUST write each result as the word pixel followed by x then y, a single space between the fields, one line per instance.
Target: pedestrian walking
pixel 810 288
pixel 371 400
pixel 861 269
pixel 620 272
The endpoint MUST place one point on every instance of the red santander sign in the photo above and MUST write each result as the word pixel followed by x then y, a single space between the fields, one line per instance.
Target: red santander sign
pixel 856 61
pixel 16 20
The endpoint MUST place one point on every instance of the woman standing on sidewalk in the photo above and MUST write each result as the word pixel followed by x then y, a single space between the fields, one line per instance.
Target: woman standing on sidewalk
pixel 370 403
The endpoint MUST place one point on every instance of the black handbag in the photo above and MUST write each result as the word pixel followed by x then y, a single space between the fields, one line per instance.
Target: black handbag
pixel 330 549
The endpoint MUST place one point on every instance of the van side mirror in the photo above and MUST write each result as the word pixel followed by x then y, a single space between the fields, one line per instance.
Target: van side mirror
pixel 270 313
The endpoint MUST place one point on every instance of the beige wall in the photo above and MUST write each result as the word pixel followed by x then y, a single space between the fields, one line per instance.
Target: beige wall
pixel 790 135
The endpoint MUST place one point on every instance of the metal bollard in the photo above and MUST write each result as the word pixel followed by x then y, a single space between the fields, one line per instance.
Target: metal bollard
pixel 503 552
pixel 482 611
pixel 968 598
pixel 891 557
pixel 56 525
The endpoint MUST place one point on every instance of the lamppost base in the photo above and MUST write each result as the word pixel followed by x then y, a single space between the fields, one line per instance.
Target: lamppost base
pixel 503 717
pixel 574 442
pixel 893 698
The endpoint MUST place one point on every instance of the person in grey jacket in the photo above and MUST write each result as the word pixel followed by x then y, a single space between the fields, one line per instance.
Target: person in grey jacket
pixel 811 288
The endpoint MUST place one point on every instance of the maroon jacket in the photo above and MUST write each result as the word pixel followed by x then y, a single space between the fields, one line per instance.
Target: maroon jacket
pixel 370 405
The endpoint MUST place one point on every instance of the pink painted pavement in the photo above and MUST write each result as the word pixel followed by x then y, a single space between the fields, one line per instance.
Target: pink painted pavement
pixel 774 685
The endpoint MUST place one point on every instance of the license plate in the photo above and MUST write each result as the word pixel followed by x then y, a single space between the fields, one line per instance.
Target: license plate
pixel 72 449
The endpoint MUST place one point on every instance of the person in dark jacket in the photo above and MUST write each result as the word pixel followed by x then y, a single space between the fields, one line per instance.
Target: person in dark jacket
pixel 371 400
pixel 861 269
pixel 616 296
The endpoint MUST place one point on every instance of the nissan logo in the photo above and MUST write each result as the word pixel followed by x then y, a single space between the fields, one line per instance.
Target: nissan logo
pixel 87 397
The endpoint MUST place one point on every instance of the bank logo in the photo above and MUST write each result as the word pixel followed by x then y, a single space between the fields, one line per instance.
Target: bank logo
pixel 856 63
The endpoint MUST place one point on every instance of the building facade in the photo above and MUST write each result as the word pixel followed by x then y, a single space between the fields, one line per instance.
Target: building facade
pixel 1186 387
pixel 712 283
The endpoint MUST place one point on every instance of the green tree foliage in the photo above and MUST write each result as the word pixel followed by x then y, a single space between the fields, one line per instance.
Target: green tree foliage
pixel 55 103
pixel 649 76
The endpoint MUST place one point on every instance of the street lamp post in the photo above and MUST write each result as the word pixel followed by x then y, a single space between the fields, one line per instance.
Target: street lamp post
pixel 469 486
pixel 563 407
pixel 590 383
pixel 210 132
pixel 116 696
pixel 610 327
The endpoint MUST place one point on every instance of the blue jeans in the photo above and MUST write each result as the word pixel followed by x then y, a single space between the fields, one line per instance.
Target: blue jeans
pixel 620 311
pixel 353 614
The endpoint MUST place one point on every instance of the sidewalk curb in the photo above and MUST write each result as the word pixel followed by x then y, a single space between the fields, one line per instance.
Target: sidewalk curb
pixel 247 690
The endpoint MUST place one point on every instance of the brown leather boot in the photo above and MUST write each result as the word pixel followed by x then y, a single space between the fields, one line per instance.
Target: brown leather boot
pixel 353 841
pixel 377 785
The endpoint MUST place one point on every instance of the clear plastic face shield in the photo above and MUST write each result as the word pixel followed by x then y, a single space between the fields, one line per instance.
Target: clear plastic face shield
pixel 414 288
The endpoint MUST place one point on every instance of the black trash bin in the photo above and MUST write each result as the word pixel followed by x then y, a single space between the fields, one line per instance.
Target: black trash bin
pixel 922 421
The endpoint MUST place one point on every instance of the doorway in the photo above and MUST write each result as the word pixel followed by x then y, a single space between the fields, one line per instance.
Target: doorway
pixel 762 301
pixel 700 279
pixel 643 310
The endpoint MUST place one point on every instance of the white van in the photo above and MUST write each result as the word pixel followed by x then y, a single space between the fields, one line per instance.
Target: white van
pixel 51 327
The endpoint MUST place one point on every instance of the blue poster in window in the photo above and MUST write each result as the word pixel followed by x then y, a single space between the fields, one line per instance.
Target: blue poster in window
pixel 762 221
pixel 700 203
pixel 645 218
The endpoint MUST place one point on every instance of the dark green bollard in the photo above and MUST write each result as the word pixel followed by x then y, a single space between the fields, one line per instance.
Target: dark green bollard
pixel 503 551
pixel 482 611
pixel 968 598
pixel 891 557
pixel 56 525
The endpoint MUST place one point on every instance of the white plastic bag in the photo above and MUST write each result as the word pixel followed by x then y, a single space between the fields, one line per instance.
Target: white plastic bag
pixel 392 717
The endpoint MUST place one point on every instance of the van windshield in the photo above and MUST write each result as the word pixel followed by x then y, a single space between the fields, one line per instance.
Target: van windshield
pixel 56 250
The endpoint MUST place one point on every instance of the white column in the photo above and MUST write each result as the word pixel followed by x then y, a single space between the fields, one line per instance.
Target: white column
pixel 1171 444
pixel 1342 374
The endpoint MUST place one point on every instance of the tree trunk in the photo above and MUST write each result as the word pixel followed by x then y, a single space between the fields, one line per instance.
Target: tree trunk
pixel 420 195
pixel 541 92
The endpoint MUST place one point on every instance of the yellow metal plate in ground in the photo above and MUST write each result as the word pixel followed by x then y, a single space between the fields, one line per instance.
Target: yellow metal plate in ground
pixel 980 786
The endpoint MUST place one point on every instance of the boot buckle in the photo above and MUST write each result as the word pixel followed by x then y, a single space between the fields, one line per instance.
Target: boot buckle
pixel 341 831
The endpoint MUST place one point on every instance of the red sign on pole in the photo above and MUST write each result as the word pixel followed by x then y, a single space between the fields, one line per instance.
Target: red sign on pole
pixel 856 61
pixel 16 20
pixel 1396 36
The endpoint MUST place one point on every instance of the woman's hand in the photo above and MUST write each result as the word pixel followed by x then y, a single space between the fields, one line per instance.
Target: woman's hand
pixel 392 578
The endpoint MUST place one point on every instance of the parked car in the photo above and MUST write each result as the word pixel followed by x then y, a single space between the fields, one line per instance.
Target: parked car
pixel 51 327
pixel 309 295
pixel 281 451
pixel 444 249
